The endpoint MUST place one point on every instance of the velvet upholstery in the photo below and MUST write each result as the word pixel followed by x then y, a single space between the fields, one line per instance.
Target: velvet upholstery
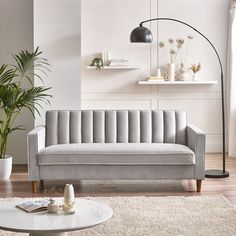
pixel 115 127
pixel 116 144
pixel 116 154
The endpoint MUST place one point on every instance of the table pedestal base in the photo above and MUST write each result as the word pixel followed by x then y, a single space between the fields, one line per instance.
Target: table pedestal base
pixel 48 234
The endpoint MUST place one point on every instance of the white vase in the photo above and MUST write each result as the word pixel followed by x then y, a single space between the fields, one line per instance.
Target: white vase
pixel 69 195
pixel 106 58
pixel 5 167
pixel 171 71
pixel 194 76
pixel 69 199
pixel 183 73
pixel 159 73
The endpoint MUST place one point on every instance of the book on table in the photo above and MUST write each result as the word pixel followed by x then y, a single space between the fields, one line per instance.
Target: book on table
pixel 155 78
pixel 34 206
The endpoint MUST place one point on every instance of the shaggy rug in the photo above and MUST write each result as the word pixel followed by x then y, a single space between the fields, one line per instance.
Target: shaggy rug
pixel 163 216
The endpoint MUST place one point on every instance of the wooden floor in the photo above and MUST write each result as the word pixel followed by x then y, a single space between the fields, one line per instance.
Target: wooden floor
pixel 18 186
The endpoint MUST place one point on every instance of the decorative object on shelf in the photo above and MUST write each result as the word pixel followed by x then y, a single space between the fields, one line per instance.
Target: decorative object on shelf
pixel 103 61
pixel 98 63
pixel 183 72
pixel 165 76
pixel 69 199
pixel 18 92
pixel 119 62
pixel 158 77
pixel 159 73
pixel 171 71
pixel 195 69
pixel 53 207
pixel 155 78
pixel 106 58
pixel 143 35
pixel 175 49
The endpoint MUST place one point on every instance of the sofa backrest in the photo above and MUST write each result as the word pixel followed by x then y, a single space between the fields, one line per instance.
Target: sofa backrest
pixel 110 126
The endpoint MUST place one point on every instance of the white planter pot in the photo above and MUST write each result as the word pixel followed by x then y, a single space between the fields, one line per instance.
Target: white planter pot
pixel 171 72
pixel 5 168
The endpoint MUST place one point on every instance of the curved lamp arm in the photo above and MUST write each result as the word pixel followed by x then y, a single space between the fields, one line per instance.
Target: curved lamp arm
pixel 221 70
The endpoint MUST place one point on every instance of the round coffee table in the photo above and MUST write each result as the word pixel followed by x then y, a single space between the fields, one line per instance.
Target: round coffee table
pixel 88 213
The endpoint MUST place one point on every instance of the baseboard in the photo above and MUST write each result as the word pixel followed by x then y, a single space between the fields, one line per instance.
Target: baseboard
pixel 232 154
pixel 215 147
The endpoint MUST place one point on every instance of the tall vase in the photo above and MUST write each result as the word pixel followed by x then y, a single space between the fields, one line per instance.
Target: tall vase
pixel 69 199
pixel 171 72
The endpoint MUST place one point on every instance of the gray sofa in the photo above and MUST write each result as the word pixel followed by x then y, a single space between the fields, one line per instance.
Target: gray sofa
pixel 108 145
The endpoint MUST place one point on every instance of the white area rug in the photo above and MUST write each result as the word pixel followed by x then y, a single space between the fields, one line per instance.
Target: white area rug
pixel 163 216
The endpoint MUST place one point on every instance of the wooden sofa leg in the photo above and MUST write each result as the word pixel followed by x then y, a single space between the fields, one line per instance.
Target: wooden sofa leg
pixel 199 185
pixel 41 185
pixel 34 186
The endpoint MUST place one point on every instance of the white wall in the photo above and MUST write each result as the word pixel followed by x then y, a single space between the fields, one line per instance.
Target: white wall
pixel 106 26
pixel 54 26
pixel 57 33
pixel 16 33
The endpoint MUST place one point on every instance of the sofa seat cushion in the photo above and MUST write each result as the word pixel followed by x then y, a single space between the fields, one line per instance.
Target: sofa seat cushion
pixel 116 154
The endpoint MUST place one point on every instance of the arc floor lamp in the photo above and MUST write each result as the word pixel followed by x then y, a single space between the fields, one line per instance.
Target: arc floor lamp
pixel 142 34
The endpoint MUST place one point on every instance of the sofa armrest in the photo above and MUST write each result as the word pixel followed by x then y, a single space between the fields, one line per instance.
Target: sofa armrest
pixel 35 143
pixel 196 141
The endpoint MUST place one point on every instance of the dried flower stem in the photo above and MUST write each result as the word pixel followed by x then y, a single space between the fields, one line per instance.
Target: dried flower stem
pixel 186 52
pixel 176 54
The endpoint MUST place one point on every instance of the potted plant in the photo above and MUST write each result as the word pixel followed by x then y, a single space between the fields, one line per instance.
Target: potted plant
pixel 16 94
pixel 195 69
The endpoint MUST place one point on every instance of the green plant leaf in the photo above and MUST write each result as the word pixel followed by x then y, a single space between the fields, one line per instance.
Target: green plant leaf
pixel 6 75
pixel 19 127
pixel 15 94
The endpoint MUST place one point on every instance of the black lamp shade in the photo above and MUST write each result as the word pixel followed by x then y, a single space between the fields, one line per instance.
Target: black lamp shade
pixel 141 35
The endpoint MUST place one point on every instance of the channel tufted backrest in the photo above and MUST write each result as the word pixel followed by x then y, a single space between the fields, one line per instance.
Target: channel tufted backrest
pixel 121 126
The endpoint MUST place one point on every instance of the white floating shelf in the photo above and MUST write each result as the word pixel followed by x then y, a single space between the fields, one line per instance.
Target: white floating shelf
pixel 161 82
pixel 114 67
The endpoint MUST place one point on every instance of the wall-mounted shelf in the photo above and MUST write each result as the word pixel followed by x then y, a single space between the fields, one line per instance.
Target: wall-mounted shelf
pixel 115 67
pixel 161 82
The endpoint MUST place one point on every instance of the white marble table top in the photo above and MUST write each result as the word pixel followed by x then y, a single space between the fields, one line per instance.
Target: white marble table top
pixel 88 213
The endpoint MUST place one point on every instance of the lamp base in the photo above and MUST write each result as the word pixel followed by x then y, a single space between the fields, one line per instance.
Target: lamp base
pixel 216 174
